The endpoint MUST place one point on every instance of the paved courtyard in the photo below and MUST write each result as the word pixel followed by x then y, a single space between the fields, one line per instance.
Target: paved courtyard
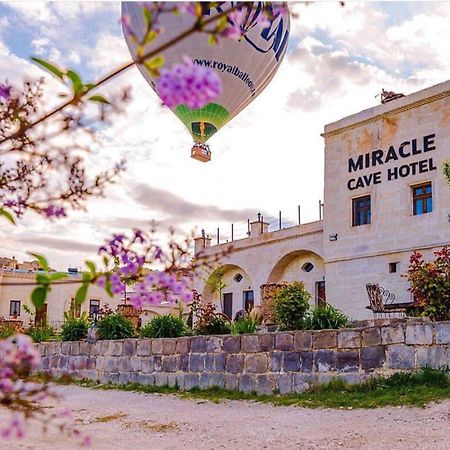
pixel 126 420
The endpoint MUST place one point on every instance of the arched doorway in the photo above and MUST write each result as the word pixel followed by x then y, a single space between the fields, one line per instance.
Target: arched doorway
pixel 305 266
pixel 229 287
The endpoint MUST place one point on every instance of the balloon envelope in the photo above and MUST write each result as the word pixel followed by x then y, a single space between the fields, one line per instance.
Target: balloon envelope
pixel 245 67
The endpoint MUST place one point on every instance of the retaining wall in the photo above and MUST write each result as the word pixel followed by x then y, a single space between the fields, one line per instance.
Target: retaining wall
pixel 283 361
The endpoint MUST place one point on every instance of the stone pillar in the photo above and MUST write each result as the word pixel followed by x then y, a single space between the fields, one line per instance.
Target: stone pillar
pixel 131 313
pixel 202 242
pixel 268 292
pixel 258 227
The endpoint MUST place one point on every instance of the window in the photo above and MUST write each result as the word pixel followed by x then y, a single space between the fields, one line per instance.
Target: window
pixel 94 306
pixel 14 308
pixel 361 211
pixel 307 267
pixel 249 301
pixel 393 267
pixel 422 199
pixel 238 278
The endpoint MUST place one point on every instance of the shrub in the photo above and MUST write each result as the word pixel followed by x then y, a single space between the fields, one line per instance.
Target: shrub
pixel 41 333
pixel 165 326
pixel 325 318
pixel 243 325
pixel 6 331
pixel 210 321
pixel 430 284
pixel 74 328
pixel 290 306
pixel 216 324
pixel 115 326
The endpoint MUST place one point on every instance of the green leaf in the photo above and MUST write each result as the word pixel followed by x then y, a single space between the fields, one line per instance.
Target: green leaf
pixel 7 215
pixel 77 84
pixel 91 266
pixel 42 279
pixel 50 67
pixel 57 276
pixel 212 40
pixel 42 261
pixel 108 289
pixel 105 261
pixel 99 99
pixel 151 36
pixel 156 62
pixel 85 276
pixel 154 65
pixel 148 17
pixel 81 293
pixel 38 297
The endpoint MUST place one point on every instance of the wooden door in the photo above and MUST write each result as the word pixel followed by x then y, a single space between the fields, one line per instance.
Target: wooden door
pixel 228 304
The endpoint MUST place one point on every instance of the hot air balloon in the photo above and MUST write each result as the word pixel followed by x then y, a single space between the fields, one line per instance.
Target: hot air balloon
pixel 245 66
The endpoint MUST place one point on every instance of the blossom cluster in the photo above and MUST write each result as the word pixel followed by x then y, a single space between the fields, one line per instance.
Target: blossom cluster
pixel 149 287
pixel 189 84
pixel 54 211
pixel 5 91
pixel 18 357
pixel 161 286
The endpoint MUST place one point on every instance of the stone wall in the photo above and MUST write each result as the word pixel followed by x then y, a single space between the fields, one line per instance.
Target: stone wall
pixel 284 362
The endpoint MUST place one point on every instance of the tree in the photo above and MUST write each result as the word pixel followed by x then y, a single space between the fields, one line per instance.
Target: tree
pixel 216 283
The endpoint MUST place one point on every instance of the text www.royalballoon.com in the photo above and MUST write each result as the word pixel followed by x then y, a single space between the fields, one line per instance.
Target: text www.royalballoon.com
pixel 234 70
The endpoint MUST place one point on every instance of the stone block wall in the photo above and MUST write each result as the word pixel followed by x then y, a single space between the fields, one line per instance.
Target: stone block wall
pixel 283 362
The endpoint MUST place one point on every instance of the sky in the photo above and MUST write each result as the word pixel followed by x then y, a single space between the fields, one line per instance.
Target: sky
pixel 268 159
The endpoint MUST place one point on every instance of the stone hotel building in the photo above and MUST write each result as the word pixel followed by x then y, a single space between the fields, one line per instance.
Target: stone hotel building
pixel 384 197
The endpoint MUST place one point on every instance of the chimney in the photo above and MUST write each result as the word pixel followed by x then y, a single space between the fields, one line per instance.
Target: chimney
pixel 259 227
pixel 201 242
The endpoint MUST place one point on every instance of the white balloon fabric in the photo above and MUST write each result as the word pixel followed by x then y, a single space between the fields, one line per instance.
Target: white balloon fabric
pixel 245 67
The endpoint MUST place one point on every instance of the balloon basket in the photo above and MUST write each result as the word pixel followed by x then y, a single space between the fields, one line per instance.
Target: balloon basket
pixel 201 152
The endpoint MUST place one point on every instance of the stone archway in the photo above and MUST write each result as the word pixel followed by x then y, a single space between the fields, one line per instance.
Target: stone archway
pixel 238 289
pixel 301 265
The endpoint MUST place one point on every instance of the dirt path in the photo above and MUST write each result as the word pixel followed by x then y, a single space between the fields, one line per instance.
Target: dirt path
pixel 125 420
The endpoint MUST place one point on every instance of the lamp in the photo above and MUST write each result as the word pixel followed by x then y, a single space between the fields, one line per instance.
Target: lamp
pixel 333 237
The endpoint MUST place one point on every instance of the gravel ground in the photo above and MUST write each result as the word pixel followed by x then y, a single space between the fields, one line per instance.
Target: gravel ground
pixel 153 421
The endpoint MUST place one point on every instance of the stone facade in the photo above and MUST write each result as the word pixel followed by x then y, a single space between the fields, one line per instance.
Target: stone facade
pixel 272 362
pixel 382 152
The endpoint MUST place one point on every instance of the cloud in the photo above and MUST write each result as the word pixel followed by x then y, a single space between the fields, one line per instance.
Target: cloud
pixel 182 210
pixel 60 244
pixel 268 158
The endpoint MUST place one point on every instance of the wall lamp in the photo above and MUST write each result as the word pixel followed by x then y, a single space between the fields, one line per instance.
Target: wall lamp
pixel 333 237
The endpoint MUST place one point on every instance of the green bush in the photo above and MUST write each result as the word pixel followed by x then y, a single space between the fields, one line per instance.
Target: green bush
pixel 325 318
pixel 165 326
pixel 6 331
pixel 216 324
pixel 243 325
pixel 41 333
pixel 290 306
pixel 115 326
pixel 74 328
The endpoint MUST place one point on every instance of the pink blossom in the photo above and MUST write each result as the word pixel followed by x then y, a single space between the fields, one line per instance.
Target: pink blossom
pixel 101 282
pixel 54 211
pixel 189 84
pixel 5 91
pixel 126 24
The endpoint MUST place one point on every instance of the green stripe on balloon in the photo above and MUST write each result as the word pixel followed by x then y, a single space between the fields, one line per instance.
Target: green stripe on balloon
pixel 214 117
